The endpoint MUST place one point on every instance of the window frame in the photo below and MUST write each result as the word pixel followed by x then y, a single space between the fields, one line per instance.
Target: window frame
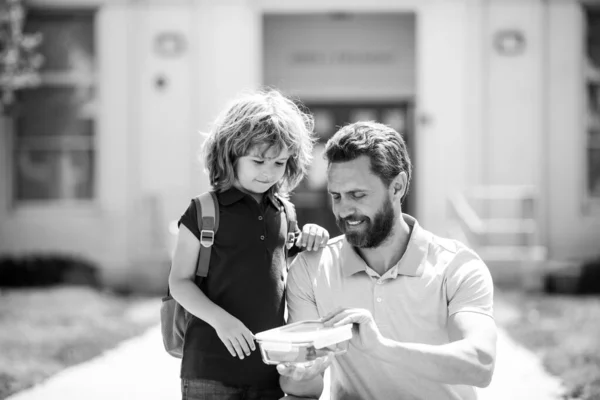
pixel 591 203
pixel 59 79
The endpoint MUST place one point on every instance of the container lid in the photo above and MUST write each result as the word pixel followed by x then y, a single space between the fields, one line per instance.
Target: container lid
pixel 306 332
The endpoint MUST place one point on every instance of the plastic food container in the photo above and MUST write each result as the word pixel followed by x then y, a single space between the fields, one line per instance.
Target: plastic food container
pixel 302 342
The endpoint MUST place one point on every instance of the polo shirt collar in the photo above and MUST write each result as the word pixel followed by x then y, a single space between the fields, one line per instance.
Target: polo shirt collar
pixel 350 261
pixel 230 196
pixel 411 263
pixel 233 195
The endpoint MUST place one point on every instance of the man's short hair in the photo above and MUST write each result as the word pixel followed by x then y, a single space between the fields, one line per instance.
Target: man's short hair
pixel 384 146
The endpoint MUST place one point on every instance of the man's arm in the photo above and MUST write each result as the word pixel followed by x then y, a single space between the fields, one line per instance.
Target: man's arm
pixel 301 303
pixel 468 359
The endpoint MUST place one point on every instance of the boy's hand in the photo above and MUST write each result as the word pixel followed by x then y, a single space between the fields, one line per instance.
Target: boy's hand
pixel 313 237
pixel 235 336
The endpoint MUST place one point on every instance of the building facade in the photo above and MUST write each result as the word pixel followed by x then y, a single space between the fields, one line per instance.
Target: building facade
pixel 498 101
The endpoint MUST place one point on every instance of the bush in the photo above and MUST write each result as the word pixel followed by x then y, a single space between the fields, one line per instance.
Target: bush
pixel 581 279
pixel 47 270
pixel 589 280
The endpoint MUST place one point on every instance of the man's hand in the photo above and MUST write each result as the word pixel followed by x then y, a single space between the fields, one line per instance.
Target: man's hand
pixel 313 237
pixel 365 333
pixel 307 370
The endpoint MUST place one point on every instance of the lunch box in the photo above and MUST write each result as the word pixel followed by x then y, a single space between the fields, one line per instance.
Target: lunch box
pixel 302 341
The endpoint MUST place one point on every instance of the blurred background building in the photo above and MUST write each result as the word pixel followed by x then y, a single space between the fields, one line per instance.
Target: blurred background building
pixel 499 101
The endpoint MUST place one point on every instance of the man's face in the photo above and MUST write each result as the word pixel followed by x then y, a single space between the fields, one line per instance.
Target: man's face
pixel 361 202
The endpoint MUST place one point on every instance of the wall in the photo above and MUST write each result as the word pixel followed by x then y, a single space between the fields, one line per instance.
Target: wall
pixel 163 96
pixel 228 35
pixel 527 117
pixel 573 221
pixel 148 137
pixel 514 102
pixel 144 135
pixel 441 109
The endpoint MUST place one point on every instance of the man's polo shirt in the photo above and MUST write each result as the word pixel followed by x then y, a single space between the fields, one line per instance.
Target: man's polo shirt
pixel 246 279
pixel 411 303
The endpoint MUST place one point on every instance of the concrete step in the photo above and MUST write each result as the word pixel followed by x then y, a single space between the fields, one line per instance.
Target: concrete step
pixel 508 226
pixel 523 254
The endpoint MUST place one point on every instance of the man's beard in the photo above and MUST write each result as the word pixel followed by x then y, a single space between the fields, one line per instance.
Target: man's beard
pixel 371 233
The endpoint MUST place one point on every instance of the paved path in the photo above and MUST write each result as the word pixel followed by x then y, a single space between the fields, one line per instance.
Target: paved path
pixel 137 369
pixel 140 369
pixel 519 375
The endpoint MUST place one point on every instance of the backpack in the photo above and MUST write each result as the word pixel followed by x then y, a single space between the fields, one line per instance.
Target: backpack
pixel 173 317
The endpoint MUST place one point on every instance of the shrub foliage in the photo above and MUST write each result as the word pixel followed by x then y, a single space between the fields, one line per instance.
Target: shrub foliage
pixel 47 270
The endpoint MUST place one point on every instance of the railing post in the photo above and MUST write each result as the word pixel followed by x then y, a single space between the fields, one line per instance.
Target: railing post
pixel 528 213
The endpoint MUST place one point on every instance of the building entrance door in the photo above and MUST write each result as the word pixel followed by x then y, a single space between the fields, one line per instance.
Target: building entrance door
pixel 344 67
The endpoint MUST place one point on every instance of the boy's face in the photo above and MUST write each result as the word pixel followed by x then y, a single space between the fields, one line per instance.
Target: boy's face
pixel 260 169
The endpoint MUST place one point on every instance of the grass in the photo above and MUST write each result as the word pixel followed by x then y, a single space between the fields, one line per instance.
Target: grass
pixel 45 330
pixel 565 332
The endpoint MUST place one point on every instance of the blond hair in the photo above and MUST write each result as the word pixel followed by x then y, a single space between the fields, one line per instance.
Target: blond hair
pixel 259 118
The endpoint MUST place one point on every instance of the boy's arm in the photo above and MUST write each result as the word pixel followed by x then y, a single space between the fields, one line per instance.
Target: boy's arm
pixel 234 335
pixel 182 279
pixel 312 237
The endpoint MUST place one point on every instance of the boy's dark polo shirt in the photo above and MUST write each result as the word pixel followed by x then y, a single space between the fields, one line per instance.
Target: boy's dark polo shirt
pixel 246 278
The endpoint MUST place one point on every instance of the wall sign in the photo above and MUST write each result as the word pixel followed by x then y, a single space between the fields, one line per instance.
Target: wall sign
pixel 314 56
pixel 355 58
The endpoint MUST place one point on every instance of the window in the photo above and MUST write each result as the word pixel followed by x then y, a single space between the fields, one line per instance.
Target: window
pixel 54 141
pixel 593 101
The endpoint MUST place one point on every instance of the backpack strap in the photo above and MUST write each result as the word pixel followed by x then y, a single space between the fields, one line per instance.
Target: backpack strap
pixel 207 211
pixel 292 225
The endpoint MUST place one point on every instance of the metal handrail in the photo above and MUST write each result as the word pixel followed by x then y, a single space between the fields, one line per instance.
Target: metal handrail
pixel 476 228
pixel 466 214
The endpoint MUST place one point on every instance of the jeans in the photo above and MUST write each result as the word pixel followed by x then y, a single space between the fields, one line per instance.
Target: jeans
pixel 205 389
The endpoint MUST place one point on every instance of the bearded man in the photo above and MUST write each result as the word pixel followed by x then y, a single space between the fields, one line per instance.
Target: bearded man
pixel 420 305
